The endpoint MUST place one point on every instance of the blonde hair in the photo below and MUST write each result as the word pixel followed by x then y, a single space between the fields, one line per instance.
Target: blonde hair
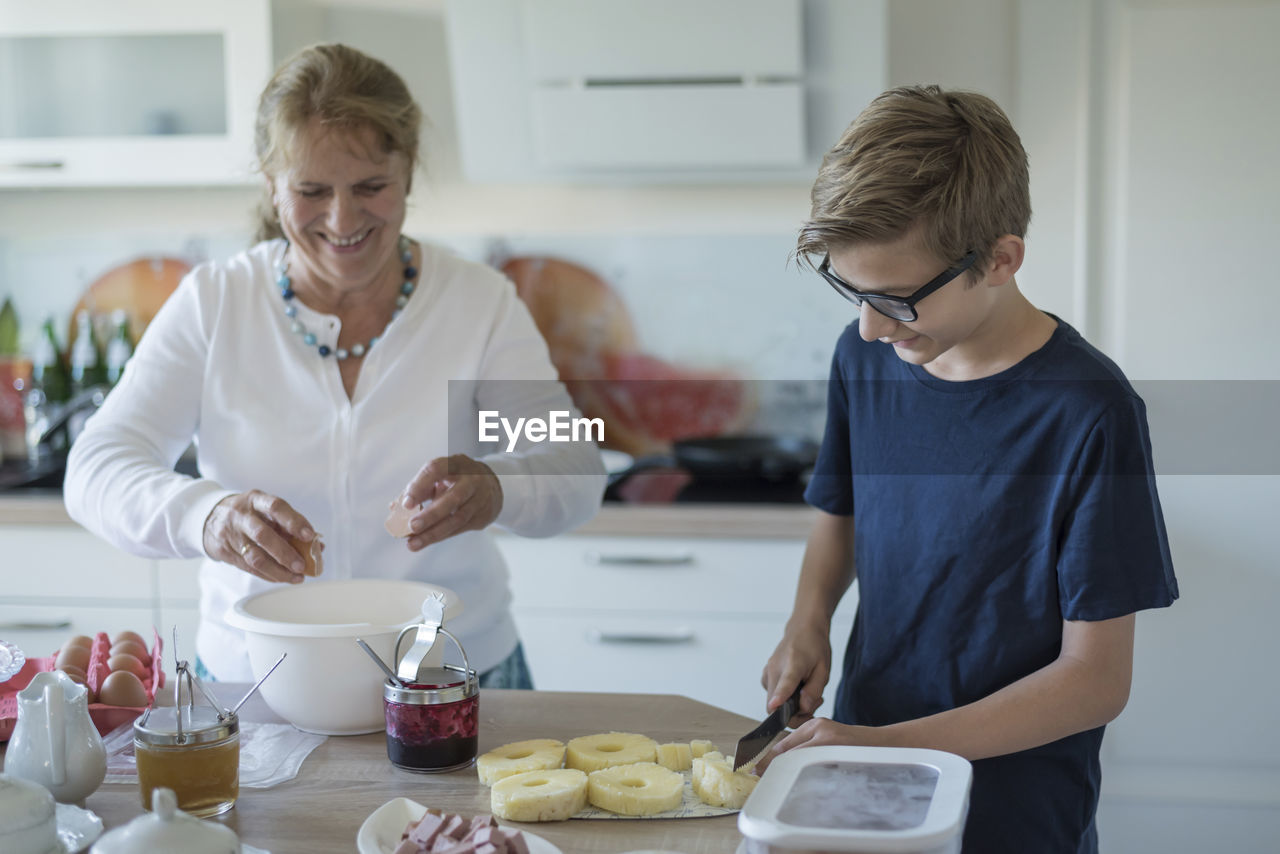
pixel 346 90
pixel 947 163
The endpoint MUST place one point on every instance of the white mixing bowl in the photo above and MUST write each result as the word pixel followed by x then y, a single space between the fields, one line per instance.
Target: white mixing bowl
pixel 327 684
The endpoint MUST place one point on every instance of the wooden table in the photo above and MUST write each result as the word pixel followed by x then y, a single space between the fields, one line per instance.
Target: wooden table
pixel 346 778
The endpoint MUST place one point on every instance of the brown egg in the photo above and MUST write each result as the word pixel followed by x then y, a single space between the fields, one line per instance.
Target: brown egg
pixel 122 688
pixel 79 640
pixel 77 674
pixel 76 656
pixel 129 647
pixel 128 635
pixel 125 661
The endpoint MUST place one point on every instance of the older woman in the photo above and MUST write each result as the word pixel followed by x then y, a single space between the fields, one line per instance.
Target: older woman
pixel 327 371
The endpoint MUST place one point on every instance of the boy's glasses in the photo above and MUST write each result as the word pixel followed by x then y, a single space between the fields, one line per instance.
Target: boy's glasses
pixel 899 308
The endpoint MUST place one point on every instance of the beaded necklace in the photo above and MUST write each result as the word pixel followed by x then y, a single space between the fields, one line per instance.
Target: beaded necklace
pixel 291 309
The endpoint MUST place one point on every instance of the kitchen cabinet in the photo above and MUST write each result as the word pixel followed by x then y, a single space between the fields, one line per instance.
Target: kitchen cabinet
pixel 133 92
pixel 693 616
pixel 61 581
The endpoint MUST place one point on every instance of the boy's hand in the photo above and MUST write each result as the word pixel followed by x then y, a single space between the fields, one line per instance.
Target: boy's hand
pixel 819 731
pixel 802 657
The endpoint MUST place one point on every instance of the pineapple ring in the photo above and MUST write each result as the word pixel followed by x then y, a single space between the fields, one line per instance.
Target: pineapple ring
pixel 539 795
pixel 593 752
pixel 716 783
pixel 536 754
pixel 639 789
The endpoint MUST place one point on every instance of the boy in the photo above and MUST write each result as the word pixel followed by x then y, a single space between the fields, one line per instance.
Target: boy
pixel 985 474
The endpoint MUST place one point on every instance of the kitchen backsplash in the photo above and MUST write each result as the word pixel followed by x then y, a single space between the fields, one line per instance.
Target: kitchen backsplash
pixel 731 304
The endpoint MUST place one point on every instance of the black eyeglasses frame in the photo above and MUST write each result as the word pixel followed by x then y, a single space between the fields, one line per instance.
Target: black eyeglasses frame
pixel 907 304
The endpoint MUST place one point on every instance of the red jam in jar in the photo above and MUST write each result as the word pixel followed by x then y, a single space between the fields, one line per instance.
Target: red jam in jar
pixel 433 725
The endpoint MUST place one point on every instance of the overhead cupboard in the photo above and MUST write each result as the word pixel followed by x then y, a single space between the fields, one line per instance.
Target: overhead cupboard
pixel 657 90
pixel 131 92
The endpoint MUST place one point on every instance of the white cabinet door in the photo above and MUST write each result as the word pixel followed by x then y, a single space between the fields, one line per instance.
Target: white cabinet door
pixel 132 92
pixel 692 616
pixel 68 563
pixel 40 630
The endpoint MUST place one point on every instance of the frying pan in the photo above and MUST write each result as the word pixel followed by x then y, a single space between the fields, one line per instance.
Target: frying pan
pixel 778 459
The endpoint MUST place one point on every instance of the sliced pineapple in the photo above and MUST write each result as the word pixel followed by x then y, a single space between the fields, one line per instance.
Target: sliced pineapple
pixel 593 752
pixel 553 795
pixel 677 756
pixel 642 788
pixel 536 754
pixel 716 783
pixel 701 746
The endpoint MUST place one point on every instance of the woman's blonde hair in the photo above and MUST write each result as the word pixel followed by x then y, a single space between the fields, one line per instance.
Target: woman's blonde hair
pixel 947 163
pixel 346 90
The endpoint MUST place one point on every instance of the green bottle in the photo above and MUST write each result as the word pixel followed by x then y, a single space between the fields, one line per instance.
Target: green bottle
pixel 120 347
pixel 48 373
pixel 8 329
pixel 88 368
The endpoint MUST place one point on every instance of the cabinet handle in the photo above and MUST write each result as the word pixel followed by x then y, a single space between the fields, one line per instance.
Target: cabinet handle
pixel 682 634
pixel 26 165
pixel 640 559
pixel 53 623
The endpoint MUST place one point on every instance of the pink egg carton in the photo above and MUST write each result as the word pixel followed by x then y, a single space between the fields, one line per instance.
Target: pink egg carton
pixel 105 717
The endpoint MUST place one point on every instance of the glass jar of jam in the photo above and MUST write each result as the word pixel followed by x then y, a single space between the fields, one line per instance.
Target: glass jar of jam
pixel 193 750
pixel 433 722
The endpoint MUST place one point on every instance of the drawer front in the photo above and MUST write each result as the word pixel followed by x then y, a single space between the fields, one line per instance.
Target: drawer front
pixel 40 630
pixel 67 562
pixel 716 661
pixel 654 574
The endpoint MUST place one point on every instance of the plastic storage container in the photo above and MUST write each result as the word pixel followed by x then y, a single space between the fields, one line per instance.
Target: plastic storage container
pixel 875 800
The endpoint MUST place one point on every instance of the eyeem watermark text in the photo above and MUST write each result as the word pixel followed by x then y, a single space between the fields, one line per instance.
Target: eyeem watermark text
pixel 559 427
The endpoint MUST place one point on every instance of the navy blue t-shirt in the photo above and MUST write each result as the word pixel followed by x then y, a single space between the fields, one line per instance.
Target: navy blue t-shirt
pixel 986 513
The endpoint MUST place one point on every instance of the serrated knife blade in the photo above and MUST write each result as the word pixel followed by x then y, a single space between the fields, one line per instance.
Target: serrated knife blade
pixel 754 742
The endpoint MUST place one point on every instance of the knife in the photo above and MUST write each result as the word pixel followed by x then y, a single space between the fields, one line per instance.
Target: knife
pixel 753 743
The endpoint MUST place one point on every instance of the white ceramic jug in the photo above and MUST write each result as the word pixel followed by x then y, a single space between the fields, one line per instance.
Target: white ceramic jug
pixel 54 742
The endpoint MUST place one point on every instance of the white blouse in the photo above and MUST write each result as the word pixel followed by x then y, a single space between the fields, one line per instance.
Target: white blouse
pixel 220 363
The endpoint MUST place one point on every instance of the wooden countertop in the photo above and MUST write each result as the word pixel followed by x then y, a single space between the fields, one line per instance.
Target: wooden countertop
pixel 640 520
pixel 346 778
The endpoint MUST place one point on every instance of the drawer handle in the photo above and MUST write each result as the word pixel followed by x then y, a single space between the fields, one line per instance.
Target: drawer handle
pixel 44 165
pixel 640 559
pixel 28 625
pixel 683 634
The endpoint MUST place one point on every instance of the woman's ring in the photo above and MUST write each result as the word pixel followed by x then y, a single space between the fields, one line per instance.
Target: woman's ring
pixel 244 549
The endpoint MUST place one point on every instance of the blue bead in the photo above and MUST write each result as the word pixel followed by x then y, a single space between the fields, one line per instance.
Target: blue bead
pixel 324 350
pixel 402 300
pixel 411 273
pixel 284 283
pixel 290 311
pixel 310 339
pixel 406 256
pixel 287 293
pixel 406 288
pixel 372 341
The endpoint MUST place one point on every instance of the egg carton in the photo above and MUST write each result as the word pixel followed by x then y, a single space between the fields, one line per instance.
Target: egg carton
pixel 105 716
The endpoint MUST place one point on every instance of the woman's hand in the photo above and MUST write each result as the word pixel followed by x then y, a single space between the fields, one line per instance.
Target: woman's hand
pixel 464 495
pixel 248 530
pixel 802 657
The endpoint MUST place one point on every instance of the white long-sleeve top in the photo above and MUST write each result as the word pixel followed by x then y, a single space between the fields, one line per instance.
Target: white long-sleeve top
pixel 220 364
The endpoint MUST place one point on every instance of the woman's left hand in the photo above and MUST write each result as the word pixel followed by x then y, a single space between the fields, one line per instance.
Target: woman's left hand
pixel 465 496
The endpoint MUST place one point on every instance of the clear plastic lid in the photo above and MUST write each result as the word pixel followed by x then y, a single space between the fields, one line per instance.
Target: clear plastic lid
pixel 842 798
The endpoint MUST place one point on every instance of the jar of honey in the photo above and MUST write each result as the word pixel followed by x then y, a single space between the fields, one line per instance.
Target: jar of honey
pixel 191 749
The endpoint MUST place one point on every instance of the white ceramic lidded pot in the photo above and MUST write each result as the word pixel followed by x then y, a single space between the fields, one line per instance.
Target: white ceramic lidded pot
pixel 54 742
pixel 28 820
pixel 168 828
